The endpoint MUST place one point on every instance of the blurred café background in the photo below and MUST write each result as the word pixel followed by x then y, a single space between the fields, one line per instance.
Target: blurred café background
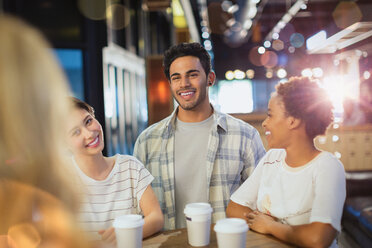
pixel 111 51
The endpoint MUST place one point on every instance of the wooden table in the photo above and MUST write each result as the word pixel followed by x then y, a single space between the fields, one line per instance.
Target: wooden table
pixel 178 239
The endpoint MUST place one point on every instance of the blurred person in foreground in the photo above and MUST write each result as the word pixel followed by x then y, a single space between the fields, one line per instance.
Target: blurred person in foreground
pixel 112 186
pixel 197 154
pixel 297 192
pixel 36 201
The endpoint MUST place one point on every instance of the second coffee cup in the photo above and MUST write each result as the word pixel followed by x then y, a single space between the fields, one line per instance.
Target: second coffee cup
pixel 231 233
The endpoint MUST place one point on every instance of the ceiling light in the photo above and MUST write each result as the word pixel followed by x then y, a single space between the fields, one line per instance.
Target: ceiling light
pixel 250 73
pixel 307 72
pixel 229 75
pixel 205 35
pixel 233 8
pixel 269 74
pixel 281 24
pixel 316 40
pixel 346 37
pixel 366 75
pixel 208 44
pixel 243 33
pixel 267 44
pixel 230 22
pixel 225 5
pixel 261 50
pixel 247 24
pixel 317 72
pixel 252 11
pixel 281 73
pixel 239 74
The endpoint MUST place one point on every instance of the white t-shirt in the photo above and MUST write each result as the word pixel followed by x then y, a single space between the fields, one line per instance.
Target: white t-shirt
pixel 314 192
pixel 118 194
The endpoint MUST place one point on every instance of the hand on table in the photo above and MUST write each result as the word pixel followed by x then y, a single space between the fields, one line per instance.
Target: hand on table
pixel 108 236
pixel 258 221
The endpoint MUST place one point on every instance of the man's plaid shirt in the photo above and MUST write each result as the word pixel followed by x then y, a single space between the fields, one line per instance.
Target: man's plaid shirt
pixel 234 149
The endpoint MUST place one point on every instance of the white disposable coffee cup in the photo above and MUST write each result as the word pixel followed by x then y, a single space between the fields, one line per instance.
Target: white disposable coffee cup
pixel 198 221
pixel 231 233
pixel 128 230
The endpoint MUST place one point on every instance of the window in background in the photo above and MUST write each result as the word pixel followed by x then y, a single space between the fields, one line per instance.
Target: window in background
pixel 72 62
pixel 242 96
pixel 262 90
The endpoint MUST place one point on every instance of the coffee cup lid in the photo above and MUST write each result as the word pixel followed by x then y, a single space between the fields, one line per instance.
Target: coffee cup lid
pixel 198 208
pixel 128 221
pixel 231 225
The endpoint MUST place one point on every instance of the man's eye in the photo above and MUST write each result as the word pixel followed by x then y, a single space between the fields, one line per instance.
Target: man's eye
pixel 76 132
pixel 193 75
pixel 89 121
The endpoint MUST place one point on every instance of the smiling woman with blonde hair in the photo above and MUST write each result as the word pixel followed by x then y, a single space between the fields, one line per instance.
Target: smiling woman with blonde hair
pixel 36 202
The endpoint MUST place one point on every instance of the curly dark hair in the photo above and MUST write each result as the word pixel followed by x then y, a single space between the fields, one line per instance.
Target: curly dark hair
pixel 78 104
pixel 304 99
pixel 186 49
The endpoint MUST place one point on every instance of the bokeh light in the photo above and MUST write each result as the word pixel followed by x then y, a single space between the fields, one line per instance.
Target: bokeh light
pixel 205 35
pixel 278 45
pixel 229 75
pixel 307 72
pixel 317 72
pixel 250 73
pixel 282 59
pixel 366 75
pixel 269 74
pixel 261 50
pixel 267 44
pixel 281 73
pixel 346 13
pixel 255 57
pixel 238 74
pixel 92 9
pixel 118 16
pixel 297 40
pixel 269 59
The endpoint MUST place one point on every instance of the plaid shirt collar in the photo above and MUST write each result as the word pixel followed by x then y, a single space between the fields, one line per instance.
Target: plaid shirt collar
pixel 220 120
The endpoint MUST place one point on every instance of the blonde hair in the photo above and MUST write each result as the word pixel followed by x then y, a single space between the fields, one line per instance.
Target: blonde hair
pixel 33 107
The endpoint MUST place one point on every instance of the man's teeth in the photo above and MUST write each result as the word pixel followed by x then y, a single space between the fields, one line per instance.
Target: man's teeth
pixel 94 142
pixel 186 93
pixel 267 133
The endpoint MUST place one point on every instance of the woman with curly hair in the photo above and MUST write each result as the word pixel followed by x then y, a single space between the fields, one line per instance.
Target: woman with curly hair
pixel 297 192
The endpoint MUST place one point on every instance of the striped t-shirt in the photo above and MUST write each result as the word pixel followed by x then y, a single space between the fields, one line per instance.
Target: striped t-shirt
pixel 118 194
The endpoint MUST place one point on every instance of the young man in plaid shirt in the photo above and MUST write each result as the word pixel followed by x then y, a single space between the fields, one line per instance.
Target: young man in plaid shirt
pixel 196 154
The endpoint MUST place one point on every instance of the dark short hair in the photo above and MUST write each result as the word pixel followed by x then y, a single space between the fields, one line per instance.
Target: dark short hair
pixel 303 98
pixel 79 104
pixel 186 49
